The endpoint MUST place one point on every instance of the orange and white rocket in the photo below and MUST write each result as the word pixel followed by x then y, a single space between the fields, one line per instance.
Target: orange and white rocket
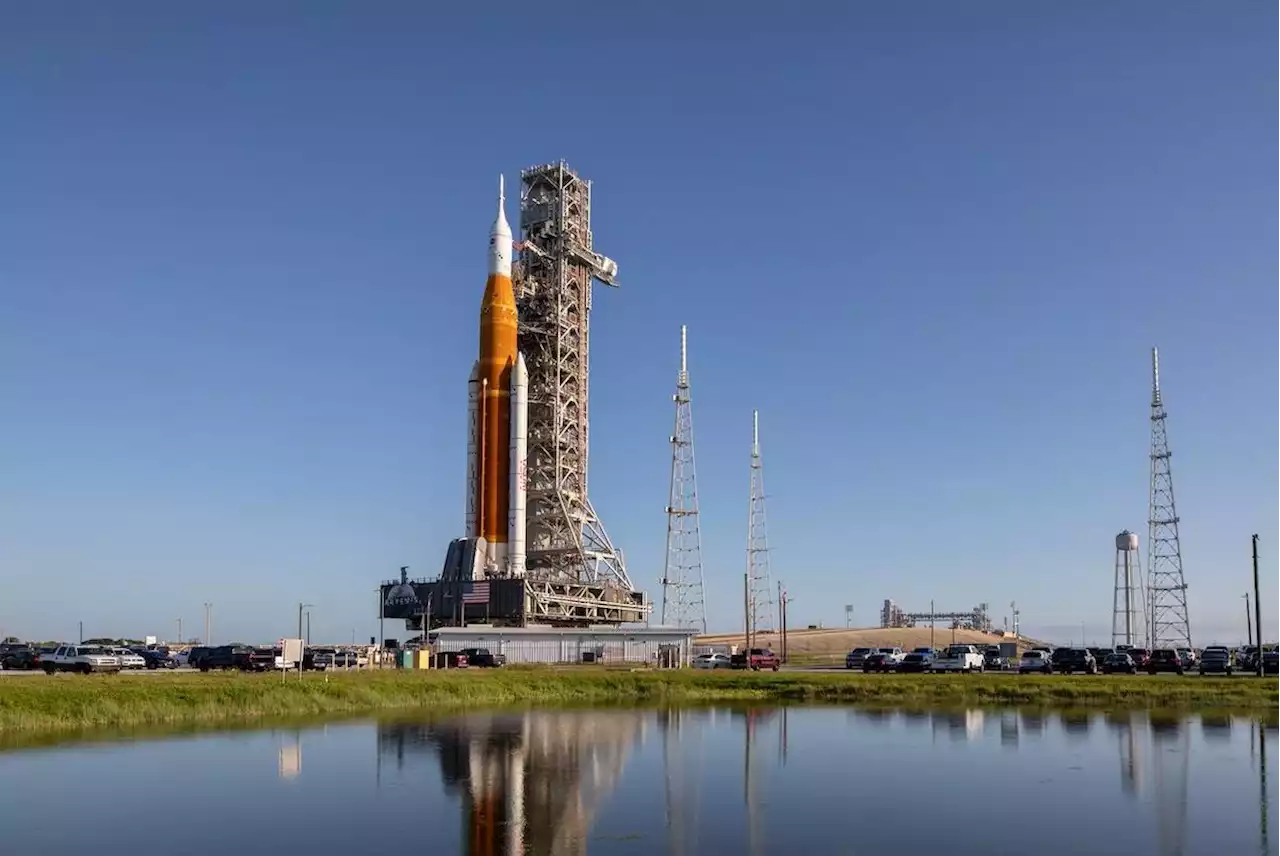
pixel 498 418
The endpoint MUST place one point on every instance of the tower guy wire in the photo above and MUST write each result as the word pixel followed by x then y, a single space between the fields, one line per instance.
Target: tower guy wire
pixel 760 603
pixel 1170 624
pixel 683 593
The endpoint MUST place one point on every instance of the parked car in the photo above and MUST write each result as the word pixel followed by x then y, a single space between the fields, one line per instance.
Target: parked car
pixel 853 660
pixel 1270 662
pixel 1079 660
pixel 128 659
pixel 226 657
pixel 959 658
pixel 877 662
pixel 22 659
pixel 1188 657
pixel 1165 660
pixel 916 662
pixel 1119 662
pixel 1058 655
pixel 893 654
pixel 157 658
pixel 79 658
pixel 756 659
pixel 1216 660
pixel 992 658
pixel 483 658
pixel 195 657
pixel 1035 661
pixel 1141 657
pixel 711 661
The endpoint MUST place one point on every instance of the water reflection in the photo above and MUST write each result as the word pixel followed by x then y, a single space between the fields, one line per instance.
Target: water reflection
pixel 530 783
pixel 685 782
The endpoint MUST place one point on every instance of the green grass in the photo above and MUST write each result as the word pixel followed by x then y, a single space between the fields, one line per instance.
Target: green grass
pixel 75 703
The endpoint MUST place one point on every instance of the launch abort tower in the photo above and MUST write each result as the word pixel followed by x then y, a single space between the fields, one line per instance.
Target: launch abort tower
pixel 573 569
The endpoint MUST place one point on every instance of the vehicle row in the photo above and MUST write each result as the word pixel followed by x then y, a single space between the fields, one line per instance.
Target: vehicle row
pixel 755 659
pixel 82 658
pixel 953 658
pixel 1215 659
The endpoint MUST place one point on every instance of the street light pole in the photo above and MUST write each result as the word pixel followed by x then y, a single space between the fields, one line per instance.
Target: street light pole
pixel 208 609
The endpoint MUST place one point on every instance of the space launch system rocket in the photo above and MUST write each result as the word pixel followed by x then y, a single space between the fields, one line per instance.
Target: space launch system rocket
pixel 497 421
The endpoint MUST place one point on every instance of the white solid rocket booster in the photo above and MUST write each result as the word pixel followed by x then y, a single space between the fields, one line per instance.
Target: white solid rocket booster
pixel 519 466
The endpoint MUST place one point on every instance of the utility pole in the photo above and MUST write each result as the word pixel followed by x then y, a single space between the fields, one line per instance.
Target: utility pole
pixel 179 631
pixel 1257 606
pixel 308 636
pixel 1248 621
pixel 208 609
pixel 301 607
pixel 933 624
pixel 81 633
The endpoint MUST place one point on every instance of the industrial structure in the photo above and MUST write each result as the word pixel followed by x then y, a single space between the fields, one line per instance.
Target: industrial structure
pixel 1127 592
pixel 529 782
pixel 759 594
pixel 683 594
pixel 1169 622
pixel 977 618
pixel 533 549
pixel 664 647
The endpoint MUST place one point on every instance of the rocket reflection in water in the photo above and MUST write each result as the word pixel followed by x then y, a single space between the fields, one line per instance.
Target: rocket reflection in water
pixel 530 783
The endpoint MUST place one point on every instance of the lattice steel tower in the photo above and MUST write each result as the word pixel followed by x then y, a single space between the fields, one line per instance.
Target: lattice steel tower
pixel 1166 586
pixel 683 600
pixel 760 591
pixel 566 542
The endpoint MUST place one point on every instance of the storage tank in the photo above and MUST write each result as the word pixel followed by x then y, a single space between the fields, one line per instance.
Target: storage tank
pixel 1127 542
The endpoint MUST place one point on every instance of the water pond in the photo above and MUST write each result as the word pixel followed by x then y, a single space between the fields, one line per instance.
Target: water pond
pixel 784 781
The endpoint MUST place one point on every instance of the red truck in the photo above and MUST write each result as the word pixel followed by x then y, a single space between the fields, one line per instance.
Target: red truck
pixel 755 659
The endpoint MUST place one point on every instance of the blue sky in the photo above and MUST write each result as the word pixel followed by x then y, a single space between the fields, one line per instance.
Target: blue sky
pixel 242 251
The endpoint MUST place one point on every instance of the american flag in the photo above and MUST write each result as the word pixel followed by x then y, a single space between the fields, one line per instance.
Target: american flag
pixel 476 593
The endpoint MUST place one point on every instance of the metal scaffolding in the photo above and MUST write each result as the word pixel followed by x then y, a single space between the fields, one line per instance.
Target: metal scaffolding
pixel 566 542
pixel 1170 625
pixel 760 603
pixel 683 596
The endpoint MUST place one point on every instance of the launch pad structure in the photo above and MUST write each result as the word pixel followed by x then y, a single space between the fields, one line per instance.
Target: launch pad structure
pixel 572 574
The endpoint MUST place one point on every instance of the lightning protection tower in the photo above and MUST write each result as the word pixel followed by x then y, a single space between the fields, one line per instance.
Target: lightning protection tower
pixel 1166 586
pixel 760 592
pixel 683 601
pixel 574 571
pixel 1126 597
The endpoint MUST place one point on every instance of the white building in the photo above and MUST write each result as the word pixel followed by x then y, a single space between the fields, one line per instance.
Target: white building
pixel 666 646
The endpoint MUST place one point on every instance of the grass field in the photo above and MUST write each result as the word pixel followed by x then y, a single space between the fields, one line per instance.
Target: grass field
pixel 75 702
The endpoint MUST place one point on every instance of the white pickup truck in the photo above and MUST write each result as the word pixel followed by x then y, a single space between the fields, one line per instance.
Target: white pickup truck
pixel 959 658
pixel 79 658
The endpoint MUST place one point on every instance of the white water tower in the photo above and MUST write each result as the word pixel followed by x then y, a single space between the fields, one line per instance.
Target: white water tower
pixel 1126 597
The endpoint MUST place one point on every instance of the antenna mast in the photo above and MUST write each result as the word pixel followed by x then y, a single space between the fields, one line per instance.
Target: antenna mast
pixel 683 595
pixel 760 592
pixel 1170 626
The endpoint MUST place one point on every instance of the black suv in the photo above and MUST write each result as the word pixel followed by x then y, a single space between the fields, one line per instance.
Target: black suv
pixel 1058 657
pixel 1165 660
pixel 1077 660
pixel 228 657
pixel 482 658
pixel 19 658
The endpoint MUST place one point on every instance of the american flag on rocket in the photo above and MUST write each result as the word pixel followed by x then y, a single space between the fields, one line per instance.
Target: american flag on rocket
pixel 476 593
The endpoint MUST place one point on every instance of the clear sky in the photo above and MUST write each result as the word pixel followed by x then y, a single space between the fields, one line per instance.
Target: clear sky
pixel 242 250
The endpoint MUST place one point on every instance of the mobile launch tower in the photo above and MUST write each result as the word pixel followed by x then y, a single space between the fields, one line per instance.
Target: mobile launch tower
pixel 532 549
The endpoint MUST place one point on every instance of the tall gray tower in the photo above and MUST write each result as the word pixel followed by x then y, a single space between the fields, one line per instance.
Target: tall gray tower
pixel 683 598
pixel 760 589
pixel 1166 586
